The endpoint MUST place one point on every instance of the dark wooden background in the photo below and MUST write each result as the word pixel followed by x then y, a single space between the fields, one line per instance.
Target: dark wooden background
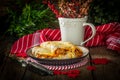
pixel 11 69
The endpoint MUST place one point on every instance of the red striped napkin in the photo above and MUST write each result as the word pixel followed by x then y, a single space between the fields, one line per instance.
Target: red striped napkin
pixel 106 35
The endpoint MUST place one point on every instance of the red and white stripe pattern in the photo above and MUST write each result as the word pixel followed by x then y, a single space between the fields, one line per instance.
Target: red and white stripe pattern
pixel 113 42
pixel 61 67
pixel 66 67
pixel 104 36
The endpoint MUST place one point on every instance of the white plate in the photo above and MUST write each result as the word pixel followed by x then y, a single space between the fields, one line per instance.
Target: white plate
pixel 60 61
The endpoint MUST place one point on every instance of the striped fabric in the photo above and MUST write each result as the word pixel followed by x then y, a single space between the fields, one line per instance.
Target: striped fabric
pixel 106 35
pixel 66 67
pixel 60 67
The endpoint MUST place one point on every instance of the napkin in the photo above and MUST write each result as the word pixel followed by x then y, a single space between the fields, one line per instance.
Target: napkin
pixel 106 35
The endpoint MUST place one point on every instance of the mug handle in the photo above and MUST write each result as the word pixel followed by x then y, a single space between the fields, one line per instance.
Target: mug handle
pixel 93 32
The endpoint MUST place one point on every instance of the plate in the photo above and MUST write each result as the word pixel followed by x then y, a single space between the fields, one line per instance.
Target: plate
pixel 60 61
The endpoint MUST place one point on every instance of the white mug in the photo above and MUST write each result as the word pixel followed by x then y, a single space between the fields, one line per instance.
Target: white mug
pixel 73 29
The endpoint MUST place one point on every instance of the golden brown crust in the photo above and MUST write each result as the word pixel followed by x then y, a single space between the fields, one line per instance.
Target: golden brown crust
pixel 56 50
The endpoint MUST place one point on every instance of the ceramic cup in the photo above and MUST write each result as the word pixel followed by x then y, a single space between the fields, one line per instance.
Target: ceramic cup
pixel 73 29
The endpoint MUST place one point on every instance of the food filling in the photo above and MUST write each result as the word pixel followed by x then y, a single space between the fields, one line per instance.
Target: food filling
pixel 56 50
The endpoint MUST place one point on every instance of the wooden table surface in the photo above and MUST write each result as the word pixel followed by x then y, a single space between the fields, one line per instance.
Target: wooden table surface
pixel 12 70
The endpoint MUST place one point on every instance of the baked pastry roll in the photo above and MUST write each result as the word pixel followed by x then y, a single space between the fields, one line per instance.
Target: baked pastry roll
pixel 56 50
